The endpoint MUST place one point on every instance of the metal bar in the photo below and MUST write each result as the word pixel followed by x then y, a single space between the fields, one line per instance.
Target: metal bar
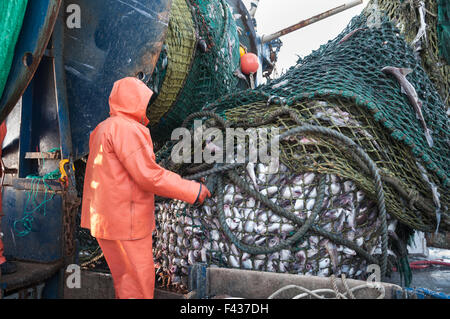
pixel 65 131
pixel 314 19
pixel 39 20
pixel 254 7
pixel 42 155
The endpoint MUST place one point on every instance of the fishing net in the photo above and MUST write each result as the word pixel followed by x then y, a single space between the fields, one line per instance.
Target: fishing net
pixel 443 29
pixel 11 17
pixel 432 45
pixel 201 54
pixel 355 168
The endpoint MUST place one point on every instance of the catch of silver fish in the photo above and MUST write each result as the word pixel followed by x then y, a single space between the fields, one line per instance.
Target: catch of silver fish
pixel 187 235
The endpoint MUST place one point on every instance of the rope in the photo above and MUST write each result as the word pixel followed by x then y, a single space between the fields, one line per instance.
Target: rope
pixel 335 288
pixel 27 220
pixel 344 282
pixel 319 293
pixel 256 250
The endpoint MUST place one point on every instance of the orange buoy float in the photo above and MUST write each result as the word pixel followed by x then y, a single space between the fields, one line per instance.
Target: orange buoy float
pixel 249 63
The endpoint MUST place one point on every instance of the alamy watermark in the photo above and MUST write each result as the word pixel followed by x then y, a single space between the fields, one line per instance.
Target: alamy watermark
pixel 73 20
pixel 209 145
pixel 73 279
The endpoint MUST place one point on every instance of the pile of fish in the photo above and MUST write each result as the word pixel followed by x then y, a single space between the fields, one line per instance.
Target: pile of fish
pixel 187 235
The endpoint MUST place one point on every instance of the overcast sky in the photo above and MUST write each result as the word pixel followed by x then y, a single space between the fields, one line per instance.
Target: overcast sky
pixel 275 15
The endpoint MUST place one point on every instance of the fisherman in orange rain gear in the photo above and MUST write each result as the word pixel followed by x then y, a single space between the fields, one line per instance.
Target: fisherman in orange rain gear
pixel 121 180
pixel 6 267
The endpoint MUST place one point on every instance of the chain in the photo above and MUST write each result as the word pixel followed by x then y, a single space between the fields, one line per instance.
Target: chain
pixel 71 202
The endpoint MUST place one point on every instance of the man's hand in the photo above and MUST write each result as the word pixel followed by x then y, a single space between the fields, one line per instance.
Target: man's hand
pixel 203 194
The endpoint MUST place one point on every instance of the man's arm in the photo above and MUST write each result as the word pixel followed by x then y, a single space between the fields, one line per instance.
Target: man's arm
pixel 141 165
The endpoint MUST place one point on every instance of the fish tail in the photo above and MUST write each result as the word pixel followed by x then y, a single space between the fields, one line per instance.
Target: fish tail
pixel 428 137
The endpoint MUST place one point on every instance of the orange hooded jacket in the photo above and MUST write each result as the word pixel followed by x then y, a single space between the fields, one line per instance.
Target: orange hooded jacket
pixel 121 173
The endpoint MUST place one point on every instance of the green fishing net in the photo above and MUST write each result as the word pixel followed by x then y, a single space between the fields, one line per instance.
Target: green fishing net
pixel 202 48
pixel 339 87
pixel 351 72
pixel 443 29
pixel 433 46
pixel 11 17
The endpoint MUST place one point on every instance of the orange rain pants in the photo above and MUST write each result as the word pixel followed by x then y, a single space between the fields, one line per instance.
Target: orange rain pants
pixel 131 265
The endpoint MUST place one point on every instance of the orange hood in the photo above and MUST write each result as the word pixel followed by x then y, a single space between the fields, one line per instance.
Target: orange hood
pixel 129 97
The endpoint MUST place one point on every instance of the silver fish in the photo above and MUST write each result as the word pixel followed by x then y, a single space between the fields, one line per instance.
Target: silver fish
pixel 234 261
pixel 335 188
pixel 247 264
pixel 299 204
pixel 310 204
pixel 259 241
pixel 285 255
pixel 349 35
pixel 203 255
pixel 408 89
pixel 196 243
pixel 234 250
pixel 287 228
pixel 249 226
pixel 333 253
pixel 215 235
pixel 269 190
pixel 423 27
pixel 237 73
pixel 308 178
pixel 248 239
pixel 300 256
pixel 236 213
pixel 259 264
pixel 274 218
pixel 251 173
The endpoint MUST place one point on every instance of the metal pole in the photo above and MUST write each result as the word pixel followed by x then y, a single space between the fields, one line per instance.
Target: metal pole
pixel 314 19
pixel 254 7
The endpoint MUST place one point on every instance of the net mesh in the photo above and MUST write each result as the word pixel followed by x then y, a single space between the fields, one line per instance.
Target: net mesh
pixel 339 87
pixel 11 18
pixel 174 62
pixel 406 15
pixel 443 29
pixel 210 75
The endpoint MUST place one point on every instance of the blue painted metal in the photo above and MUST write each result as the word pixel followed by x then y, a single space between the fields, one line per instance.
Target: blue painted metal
pixel 39 131
pixel 52 289
pixel 45 241
pixel 37 27
pixel 65 132
pixel 198 280
pixel 116 39
pixel 424 293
